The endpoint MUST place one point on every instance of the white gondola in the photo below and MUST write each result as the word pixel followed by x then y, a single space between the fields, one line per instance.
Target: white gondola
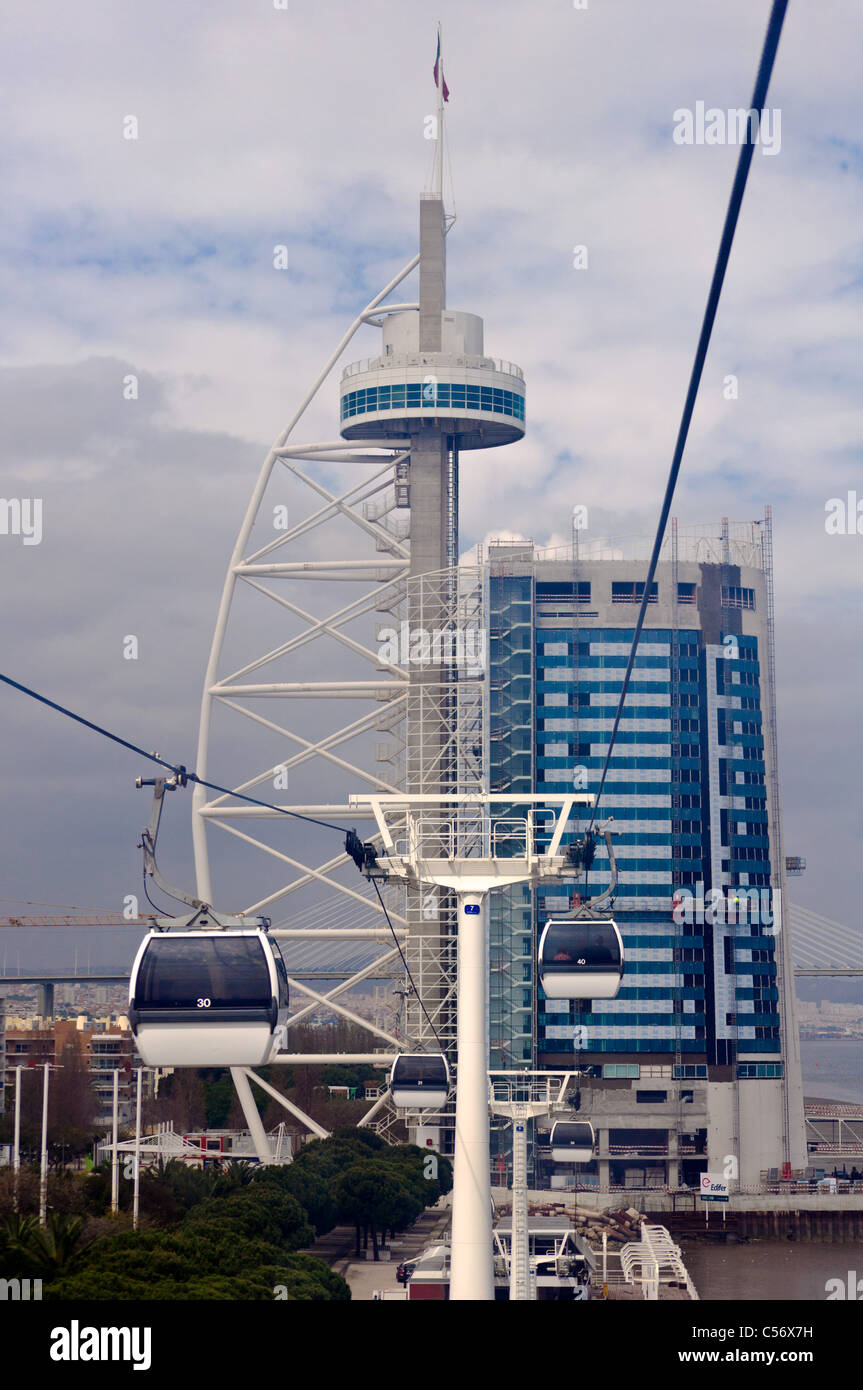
pixel 581 958
pixel 419 1081
pixel 572 1141
pixel 208 998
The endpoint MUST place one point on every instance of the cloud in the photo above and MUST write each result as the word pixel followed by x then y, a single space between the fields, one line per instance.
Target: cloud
pixel 304 127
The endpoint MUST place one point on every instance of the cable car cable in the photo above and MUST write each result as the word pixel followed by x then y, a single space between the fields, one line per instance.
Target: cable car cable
pixel 165 891
pixel 147 896
pixel 374 883
pixel 759 96
pixel 178 769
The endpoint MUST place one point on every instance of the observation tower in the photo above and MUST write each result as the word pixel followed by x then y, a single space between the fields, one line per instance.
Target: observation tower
pixel 373 531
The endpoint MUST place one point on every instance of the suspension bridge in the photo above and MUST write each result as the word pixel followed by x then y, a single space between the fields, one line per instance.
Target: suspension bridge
pixel 822 946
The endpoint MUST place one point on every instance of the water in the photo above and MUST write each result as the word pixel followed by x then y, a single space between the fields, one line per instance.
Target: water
pixel 833 1070
pixel 783 1269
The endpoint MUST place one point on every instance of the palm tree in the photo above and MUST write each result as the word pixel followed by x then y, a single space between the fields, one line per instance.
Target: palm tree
pixel 16 1235
pixel 45 1252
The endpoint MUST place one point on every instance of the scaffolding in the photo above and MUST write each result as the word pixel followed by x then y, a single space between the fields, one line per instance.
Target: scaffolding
pixel 511 716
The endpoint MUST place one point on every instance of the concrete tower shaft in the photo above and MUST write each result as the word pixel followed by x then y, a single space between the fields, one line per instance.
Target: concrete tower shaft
pixel 432 370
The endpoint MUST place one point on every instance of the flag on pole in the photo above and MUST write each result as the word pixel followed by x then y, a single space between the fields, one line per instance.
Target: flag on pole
pixel 438 71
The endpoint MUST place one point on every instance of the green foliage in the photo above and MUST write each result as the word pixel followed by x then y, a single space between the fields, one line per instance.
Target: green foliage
pixel 216 1234
pixel 218 1099
pixel 234 1247
pixel 336 1075
pixel 260 1211
pixel 310 1189
pixel 370 1193
pixel 365 1138
pixel 305 1279
pixel 28 1250
pixel 311 1278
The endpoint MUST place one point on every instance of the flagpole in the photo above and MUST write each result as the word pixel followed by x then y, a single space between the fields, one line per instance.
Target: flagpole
pixel 440 116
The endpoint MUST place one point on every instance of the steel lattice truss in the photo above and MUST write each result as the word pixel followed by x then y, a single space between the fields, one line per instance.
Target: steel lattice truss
pixel 319 713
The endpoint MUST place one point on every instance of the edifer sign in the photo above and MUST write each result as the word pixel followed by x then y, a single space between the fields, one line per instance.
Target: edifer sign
pixel 713 1188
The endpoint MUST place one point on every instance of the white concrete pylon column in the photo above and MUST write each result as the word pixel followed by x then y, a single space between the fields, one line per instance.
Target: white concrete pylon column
pixel 472 1258
pixel 253 1119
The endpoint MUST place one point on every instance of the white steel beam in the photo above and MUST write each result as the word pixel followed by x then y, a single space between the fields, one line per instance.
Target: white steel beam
pixel 321 748
pixel 250 1110
pixel 288 1104
pixel 345 1012
pixel 345 985
pixel 369 1059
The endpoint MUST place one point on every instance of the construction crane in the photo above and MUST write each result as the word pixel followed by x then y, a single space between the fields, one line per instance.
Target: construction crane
pixel 100 919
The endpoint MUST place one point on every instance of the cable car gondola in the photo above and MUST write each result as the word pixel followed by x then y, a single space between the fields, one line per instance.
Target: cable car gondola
pixel 581 958
pixel 419 1081
pixel 208 998
pixel 572 1141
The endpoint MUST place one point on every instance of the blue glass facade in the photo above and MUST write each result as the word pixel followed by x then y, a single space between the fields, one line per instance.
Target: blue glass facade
pixel 687 790
pixel 442 396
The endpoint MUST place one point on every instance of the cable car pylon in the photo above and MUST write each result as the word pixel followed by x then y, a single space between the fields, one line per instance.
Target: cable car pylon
pixel 454 841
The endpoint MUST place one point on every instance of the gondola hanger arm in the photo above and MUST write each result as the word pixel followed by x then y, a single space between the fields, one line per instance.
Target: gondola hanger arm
pixel 149 836
pixel 600 902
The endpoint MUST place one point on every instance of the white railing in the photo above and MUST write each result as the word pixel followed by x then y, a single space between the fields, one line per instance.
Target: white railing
pixel 414 359
pixel 645 1260
pixel 471 837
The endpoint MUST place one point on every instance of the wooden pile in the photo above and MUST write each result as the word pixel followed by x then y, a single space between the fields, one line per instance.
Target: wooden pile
pixel 620 1226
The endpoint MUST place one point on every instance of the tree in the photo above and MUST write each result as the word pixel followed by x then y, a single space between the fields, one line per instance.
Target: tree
pixel 218 1100
pixel 308 1186
pixel 233 1247
pixel 258 1213
pixel 73 1107
pixel 371 1195
pixel 182 1101
pixel 28 1250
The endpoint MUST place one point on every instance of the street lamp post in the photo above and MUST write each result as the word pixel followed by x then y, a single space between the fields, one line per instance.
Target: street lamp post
pixel 16 1147
pixel 43 1173
pixel 137 1194
pixel 115 1157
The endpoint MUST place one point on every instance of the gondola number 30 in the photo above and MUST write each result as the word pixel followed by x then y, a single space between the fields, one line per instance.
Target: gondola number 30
pixel 203 1003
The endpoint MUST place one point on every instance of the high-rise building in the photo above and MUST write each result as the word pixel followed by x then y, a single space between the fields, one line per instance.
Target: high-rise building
pixel 695 1065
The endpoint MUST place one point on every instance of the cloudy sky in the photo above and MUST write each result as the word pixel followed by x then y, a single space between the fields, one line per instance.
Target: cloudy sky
pixel 304 127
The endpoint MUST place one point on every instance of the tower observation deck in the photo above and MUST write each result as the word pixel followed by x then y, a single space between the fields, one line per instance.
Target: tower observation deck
pixel 458 390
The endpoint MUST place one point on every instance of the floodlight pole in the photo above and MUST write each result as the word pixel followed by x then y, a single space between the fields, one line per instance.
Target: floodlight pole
pixel 43 1167
pixel 115 1156
pixel 136 1190
pixel 16 1146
